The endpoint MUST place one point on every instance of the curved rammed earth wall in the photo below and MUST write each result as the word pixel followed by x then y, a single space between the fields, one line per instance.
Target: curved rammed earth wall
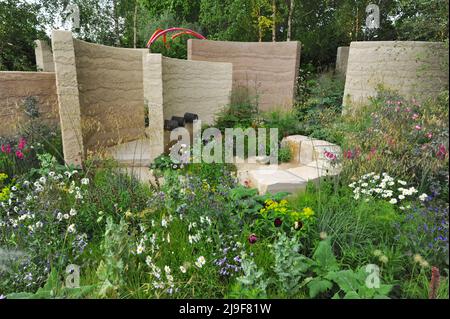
pixel 15 87
pixel 414 69
pixel 268 69
pixel 111 93
pixel 198 87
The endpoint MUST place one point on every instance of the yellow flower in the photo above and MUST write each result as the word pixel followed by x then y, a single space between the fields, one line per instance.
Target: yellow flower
pixel 384 259
pixel 418 258
pixel 308 211
pixel 268 202
pixel 4 194
pixel 377 253
pixel 3 176
pixel 128 214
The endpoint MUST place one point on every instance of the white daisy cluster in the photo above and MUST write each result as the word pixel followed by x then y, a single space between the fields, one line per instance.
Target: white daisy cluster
pixel 161 281
pixel 382 186
pixel 17 209
pixel 200 261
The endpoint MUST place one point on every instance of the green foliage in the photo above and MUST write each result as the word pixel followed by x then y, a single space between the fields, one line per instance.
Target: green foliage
pixel 284 154
pixel 286 122
pixel 242 112
pixel 115 250
pixel 251 284
pixel 289 265
pixel 227 20
pixel 19 27
pixel 54 289
pixel 422 20
pixel 321 107
pixel 353 285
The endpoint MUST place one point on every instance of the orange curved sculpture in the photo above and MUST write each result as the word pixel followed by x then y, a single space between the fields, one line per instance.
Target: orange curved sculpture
pixel 163 33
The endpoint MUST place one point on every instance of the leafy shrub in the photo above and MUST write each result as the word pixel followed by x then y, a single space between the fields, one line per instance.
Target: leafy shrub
pixel 286 122
pixel 284 154
pixel 241 112
pixel 319 111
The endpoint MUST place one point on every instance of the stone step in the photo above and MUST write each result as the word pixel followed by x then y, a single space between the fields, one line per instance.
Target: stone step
pixel 305 149
pixel 308 173
pixel 132 154
pixel 327 166
pixel 274 181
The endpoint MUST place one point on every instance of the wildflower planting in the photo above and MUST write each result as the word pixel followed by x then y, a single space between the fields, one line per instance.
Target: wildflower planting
pixel 198 233
pixel 348 201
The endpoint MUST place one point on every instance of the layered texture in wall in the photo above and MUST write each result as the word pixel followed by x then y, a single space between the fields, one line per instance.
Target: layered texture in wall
pixel 414 69
pixel 267 69
pixel 111 94
pixel 24 95
pixel 198 87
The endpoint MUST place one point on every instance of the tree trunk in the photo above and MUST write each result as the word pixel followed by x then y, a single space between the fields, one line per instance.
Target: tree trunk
pixel 116 23
pixel 274 24
pixel 135 23
pixel 291 12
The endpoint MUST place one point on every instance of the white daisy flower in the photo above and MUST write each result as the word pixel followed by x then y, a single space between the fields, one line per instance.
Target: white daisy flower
pixel 71 229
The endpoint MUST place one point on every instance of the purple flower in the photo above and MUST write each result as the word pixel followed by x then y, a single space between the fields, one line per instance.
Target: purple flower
pixel 252 239
pixel 277 222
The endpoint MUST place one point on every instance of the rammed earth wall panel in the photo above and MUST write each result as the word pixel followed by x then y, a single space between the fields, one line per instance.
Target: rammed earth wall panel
pixel 15 88
pixel 267 69
pixel 111 94
pixel 414 69
pixel 198 87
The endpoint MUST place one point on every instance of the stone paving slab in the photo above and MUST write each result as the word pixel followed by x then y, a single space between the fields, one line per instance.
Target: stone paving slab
pixel 307 173
pixel 133 154
pixel 274 181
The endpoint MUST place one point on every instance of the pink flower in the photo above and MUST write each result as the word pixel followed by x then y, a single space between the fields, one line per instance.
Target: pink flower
pixel 429 135
pixel 348 154
pixel 6 148
pixel 19 154
pixel 434 283
pixel 415 116
pixel 330 155
pixel 418 127
pixel 442 152
pixel 372 153
pixel 22 143
pixel 408 109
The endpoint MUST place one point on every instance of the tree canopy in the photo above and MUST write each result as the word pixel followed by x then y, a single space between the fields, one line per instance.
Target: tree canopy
pixel 320 25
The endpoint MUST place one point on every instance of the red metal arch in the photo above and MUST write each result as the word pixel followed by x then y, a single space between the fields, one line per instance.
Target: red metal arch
pixel 163 33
